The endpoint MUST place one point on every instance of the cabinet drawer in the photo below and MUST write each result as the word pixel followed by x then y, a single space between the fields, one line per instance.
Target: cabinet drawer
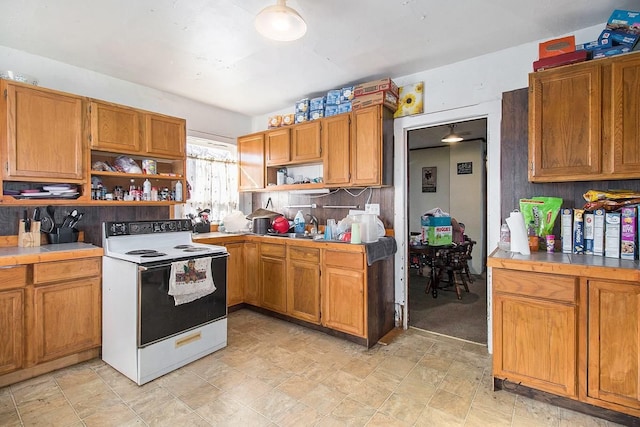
pixel 272 250
pixel 350 260
pixel 47 272
pixel 13 276
pixel 541 285
pixel 304 254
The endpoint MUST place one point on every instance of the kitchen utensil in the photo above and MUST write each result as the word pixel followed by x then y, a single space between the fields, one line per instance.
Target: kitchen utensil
pixel 27 221
pixel 76 219
pixel 46 224
pixel 36 214
pixel 280 224
pixel 51 212
pixel 66 223
pixel 260 225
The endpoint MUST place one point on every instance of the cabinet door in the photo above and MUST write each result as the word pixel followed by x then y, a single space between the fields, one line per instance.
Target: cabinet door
pixel 614 342
pixel 277 143
pixel 252 273
pixel 165 136
pixel 336 136
pixel 624 97
pixel 306 144
pixel 235 274
pixel 535 336
pixel 44 134
pixel 303 284
pixel 11 330
pixel 273 277
pixel 366 146
pixel 66 319
pixel 343 292
pixel 251 162
pixel 115 128
pixel 565 125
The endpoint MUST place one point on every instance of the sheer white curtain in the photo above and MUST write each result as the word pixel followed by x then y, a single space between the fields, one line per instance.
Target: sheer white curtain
pixel 212 173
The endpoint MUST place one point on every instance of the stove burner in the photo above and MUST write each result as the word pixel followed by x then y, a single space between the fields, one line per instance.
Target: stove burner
pixel 142 252
pixel 196 249
pixel 152 254
pixel 182 246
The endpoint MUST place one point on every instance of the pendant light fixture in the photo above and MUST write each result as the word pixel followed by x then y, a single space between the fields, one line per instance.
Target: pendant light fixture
pixel 280 22
pixel 452 136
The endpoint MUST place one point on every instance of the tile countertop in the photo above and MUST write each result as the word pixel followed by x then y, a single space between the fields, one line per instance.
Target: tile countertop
pixel 590 266
pixel 14 255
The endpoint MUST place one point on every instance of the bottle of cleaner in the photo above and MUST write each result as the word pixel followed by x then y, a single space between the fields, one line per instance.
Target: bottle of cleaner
pixel 146 190
pixel 178 191
pixel 298 222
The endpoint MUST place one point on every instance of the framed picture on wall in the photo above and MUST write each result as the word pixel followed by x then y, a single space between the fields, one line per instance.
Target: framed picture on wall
pixel 465 168
pixel 429 179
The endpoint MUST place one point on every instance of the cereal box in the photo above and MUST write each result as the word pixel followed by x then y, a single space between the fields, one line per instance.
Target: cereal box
pixel 598 232
pixel 612 235
pixel 566 230
pixel 628 232
pixel 588 233
pixel 578 231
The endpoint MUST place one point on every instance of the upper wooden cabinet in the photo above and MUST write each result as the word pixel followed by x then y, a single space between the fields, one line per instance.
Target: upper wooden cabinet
pixel 277 146
pixel 336 138
pixel 164 136
pixel 251 162
pixel 115 128
pixel 306 144
pixel 41 135
pixel 583 121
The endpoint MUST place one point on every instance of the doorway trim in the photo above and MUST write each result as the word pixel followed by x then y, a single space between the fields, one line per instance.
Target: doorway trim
pixel 492 111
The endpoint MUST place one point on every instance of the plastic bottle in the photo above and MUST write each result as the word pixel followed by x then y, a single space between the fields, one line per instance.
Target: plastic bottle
pixel 146 190
pixel 298 222
pixel 178 197
pixel 533 237
pixel 505 237
pixel 132 189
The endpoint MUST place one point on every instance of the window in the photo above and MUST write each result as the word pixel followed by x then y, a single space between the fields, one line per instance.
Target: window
pixel 212 174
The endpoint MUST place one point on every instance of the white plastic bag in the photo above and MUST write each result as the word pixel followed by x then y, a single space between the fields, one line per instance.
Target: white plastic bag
pixel 236 222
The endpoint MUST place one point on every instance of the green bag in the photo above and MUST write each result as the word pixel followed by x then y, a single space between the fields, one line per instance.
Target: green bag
pixel 543 211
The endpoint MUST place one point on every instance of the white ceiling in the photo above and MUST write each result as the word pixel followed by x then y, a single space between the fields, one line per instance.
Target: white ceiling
pixel 208 50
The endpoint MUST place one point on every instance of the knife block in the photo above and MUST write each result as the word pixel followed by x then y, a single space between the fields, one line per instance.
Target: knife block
pixel 29 239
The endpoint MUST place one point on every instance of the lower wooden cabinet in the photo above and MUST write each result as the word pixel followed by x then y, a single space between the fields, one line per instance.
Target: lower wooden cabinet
pixel 571 335
pixel 235 273
pixel 252 292
pixel 303 284
pixel 614 342
pixel 535 330
pixel 11 330
pixel 52 317
pixel 344 292
pixel 273 277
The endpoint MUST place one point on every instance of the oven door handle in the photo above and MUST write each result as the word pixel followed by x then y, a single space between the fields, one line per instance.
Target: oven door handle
pixel 142 268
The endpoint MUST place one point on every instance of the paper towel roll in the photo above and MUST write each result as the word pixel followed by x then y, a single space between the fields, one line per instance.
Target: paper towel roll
pixel 519 239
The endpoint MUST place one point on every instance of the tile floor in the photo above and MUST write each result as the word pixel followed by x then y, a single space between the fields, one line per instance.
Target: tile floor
pixel 274 373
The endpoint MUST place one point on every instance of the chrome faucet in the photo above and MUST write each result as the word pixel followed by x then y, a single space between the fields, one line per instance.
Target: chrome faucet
pixel 314 224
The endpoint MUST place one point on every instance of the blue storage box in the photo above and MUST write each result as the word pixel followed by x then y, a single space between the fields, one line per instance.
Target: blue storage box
pixel 333 97
pixel 330 110
pixel 344 107
pixel 302 106
pixel 316 104
pixel 346 94
pixel 316 114
pixel 302 117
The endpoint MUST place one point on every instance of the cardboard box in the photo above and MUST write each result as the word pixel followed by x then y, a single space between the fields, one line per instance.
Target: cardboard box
pixel 566 230
pixel 618 38
pixel 346 94
pixel 288 119
pixel 609 51
pixel 344 107
pixel 578 231
pixel 598 232
pixel 440 235
pixel 596 44
pixel 302 117
pixel 612 235
pixel 588 232
pixel 316 104
pixel 385 98
pixel 559 60
pixel 624 20
pixel 333 97
pixel 556 47
pixel 376 86
pixel 302 106
pixel 628 230
pixel 330 110
pixel 316 114
pixel 434 221
pixel 275 121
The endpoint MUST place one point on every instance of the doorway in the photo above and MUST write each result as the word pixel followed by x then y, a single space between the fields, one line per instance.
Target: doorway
pixel 458 186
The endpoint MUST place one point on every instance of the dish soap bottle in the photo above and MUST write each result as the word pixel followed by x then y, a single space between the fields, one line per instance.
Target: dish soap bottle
pixel 298 222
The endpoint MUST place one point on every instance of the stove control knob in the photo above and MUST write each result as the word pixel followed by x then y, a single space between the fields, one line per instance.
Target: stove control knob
pixel 172 226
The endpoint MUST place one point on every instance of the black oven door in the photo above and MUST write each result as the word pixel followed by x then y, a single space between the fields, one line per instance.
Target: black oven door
pixel 159 317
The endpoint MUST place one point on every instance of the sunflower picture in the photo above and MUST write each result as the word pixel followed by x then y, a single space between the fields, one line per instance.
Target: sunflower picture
pixel 411 97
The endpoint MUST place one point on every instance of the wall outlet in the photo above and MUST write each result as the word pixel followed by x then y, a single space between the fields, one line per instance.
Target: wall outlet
pixel 372 208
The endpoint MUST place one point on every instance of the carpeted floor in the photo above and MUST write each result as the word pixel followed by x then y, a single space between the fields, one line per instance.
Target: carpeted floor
pixel 447 315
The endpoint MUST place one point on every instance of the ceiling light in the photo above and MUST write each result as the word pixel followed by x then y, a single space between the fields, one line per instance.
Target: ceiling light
pixel 280 22
pixel 452 136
